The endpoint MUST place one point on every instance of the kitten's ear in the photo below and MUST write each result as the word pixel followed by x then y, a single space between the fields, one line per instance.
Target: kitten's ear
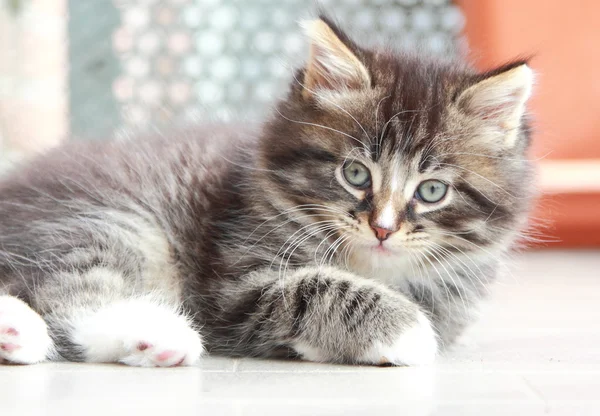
pixel 332 65
pixel 500 100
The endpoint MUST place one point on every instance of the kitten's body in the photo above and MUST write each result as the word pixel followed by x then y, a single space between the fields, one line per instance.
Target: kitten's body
pixel 253 240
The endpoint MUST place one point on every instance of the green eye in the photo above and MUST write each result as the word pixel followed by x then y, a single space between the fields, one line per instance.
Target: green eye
pixel 357 175
pixel 432 191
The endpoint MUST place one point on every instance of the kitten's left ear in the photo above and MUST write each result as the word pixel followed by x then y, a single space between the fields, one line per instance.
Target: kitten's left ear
pixel 332 65
pixel 500 99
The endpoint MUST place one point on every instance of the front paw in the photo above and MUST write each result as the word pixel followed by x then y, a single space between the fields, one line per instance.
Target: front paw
pixel 139 332
pixel 416 345
pixel 24 336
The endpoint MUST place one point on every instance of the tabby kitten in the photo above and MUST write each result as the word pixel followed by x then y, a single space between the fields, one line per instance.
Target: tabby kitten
pixel 362 223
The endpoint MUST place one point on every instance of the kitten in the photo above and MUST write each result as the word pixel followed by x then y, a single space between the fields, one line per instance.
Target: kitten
pixel 362 224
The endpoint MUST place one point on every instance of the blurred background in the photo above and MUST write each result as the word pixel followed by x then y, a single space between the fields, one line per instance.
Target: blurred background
pixel 94 69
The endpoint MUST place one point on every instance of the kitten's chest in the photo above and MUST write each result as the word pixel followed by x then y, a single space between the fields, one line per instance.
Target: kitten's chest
pixel 394 271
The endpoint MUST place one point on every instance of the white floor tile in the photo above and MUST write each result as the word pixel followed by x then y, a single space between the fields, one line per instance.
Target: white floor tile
pixel 536 351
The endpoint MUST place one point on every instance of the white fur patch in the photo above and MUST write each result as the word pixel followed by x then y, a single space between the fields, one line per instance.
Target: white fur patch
pixel 387 218
pixel 310 353
pixel 24 335
pixel 413 347
pixel 395 181
pixel 138 332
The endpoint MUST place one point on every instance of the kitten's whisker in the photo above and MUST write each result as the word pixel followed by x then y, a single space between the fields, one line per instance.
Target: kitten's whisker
pixel 324 241
pixel 300 235
pixel 432 145
pixel 498 256
pixel 409 130
pixel 333 209
pixel 298 208
pixel 465 201
pixel 377 119
pixel 440 261
pixel 432 286
pixel 422 269
pixel 471 274
pixel 323 261
pixel 354 149
pixel 346 251
pixel 478 190
pixel 412 270
pixel 389 121
pixel 295 244
pixel 441 278
pixel 484 178
pixel 456 235
pixel 492 213
pixel 523 159
pixel 465 255
pixel 301 232
pixel 333 249
pixel 321 126
pixel 283 224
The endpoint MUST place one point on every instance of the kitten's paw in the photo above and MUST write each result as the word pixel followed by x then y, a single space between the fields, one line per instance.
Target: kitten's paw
pixel 139 333
pixel 24 335
pixel 163 348
pixel 415 346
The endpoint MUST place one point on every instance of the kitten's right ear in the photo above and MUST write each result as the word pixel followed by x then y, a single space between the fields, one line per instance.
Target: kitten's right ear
pixel 499 100
pixel 331 65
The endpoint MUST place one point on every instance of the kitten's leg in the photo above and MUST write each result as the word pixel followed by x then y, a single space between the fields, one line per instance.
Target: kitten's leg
pixel 453 303
pixel 24 335
pixel 94 317
pixel 138 332
pixel 327 315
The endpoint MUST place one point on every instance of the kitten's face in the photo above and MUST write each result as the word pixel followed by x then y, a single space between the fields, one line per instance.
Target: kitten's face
pixel 393 154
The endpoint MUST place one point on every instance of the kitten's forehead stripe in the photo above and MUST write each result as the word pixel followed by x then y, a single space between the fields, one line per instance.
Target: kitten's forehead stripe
pixel 387 218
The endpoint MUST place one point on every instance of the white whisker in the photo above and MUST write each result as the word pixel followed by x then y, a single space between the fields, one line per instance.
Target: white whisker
pixel 320 126
pixel 321 97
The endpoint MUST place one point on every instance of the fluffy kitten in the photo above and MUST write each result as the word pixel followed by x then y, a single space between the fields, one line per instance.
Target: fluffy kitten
pixel 362 224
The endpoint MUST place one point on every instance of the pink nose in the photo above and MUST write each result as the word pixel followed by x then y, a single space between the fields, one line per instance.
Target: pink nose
pixel 381 233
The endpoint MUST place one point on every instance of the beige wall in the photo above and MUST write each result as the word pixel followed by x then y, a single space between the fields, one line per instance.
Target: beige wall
pixel 33 76
pixel 563 38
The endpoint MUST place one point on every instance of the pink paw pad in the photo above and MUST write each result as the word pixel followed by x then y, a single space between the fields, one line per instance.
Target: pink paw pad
pixel 143 346
pixel 9 331
pixel 165 355
pixel 9 347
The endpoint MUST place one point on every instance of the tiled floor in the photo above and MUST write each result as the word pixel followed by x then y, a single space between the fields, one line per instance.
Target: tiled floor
pixel 536 351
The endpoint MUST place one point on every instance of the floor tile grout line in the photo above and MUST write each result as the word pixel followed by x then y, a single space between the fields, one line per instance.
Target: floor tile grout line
pixel 536 392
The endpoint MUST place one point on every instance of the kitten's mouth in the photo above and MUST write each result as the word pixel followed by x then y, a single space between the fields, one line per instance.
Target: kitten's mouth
pixel 381 249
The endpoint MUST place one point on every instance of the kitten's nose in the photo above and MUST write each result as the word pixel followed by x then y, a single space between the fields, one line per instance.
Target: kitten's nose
pixel 381 233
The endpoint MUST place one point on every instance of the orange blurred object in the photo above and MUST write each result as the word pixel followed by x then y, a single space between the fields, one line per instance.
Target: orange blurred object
pixel 562 39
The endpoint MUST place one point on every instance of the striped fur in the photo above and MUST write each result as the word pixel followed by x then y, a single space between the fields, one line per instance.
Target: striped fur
pixel 251 243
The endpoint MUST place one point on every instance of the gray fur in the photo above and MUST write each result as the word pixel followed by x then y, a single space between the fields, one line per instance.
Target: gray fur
pixel 222 223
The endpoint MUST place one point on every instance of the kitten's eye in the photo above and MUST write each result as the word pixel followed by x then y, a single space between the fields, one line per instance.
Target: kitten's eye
pixel 357 175
pixel 432 191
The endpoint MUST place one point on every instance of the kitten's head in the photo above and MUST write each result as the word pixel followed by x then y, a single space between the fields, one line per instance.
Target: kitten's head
pixel 393 152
